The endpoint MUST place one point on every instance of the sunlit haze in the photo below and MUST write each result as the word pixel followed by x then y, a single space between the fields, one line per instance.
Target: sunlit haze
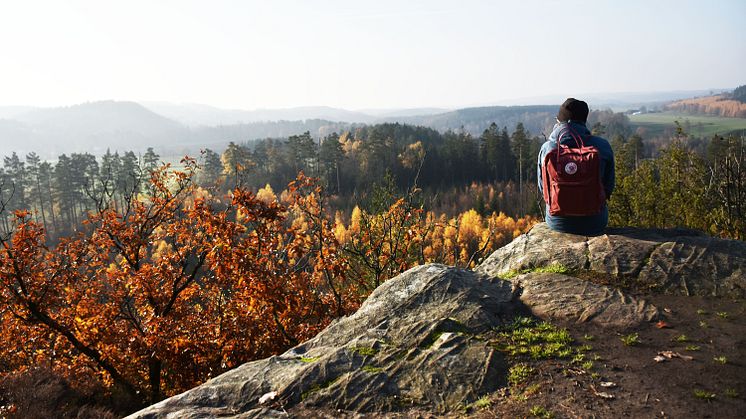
pixel 358 55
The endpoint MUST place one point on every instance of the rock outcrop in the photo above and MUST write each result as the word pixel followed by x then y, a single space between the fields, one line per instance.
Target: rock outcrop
pixel 674 261
pixel 409 343
pixel 418 340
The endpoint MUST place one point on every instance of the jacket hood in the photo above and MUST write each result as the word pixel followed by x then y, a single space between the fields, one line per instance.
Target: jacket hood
pixel 578 127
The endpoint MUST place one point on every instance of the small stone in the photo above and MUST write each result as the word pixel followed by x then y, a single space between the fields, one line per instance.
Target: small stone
pixel 267 397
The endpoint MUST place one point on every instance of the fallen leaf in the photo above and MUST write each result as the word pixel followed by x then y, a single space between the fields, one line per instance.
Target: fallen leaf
pixel 667 354
pixel 672 354
pixel 601 394
pixel 660 358
pixel 577 371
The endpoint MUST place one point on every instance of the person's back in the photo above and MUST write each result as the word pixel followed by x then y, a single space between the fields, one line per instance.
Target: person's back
pixel 570 125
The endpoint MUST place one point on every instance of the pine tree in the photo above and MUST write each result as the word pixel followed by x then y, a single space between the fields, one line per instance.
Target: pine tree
pixel 15 174
pixel 301 152
pixel 36 191
pixel 506 158
pixel 330 157
pixel 150 160
pixel 212 168
pixel 64 192
pixel 491 153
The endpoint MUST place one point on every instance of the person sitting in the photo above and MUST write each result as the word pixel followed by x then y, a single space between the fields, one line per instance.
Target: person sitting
pixel 575 172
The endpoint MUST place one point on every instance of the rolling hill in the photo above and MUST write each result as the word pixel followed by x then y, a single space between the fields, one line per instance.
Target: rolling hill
pixel 196 115
pixel 183 129
pixel 90 127
pixel 178 129
pixel 475 120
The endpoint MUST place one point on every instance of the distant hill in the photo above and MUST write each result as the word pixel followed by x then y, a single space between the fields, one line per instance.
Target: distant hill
pixel 98 117
pixel 218 136
pixel 176 130
pixel 475 120
pixel 717 105
pixel 89 127
pixel 10 112
pixel 271 122
pixel 393 113
pixel 205 115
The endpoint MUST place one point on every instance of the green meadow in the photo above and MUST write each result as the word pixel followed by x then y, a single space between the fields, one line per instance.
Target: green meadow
pixel 697 125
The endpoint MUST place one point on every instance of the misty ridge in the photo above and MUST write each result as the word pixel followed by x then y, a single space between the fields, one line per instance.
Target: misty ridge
pixel 183 129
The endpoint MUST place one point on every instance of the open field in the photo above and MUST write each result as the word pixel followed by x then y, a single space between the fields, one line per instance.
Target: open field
pixel 699 125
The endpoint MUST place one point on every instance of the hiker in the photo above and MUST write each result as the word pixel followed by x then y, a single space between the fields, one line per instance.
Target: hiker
pixel 576 178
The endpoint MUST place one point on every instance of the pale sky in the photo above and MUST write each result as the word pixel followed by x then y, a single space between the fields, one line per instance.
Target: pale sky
pixel 362 54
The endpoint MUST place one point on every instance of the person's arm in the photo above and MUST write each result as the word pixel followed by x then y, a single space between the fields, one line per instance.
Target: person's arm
pixel 538 171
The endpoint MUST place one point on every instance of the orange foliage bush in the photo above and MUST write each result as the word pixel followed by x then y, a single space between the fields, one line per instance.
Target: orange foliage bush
pixel 180 286
pixel 380 246
pixel 163 296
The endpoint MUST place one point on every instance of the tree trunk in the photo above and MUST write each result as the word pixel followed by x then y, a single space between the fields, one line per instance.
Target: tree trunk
pixel 154 375
pixel 51 205
pixel 339 188
pixel 41 202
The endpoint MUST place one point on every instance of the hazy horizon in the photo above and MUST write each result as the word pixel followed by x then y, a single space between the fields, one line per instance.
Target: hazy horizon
pixel 636 97
pixel 357 56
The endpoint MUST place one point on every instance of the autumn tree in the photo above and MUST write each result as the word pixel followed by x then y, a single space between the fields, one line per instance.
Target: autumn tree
pixel 237 162
pixel 383 239
pixel 173 289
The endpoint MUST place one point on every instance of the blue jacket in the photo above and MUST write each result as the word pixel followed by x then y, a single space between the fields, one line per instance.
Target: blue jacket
pixel 592 225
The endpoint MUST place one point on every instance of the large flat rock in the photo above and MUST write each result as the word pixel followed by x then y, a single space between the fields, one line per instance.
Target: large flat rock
pixel 552 296
pixel 410 344
pixel 674 261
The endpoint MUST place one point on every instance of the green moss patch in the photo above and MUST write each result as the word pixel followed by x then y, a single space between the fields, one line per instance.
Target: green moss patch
pixel 372 370
pixel 553 268
pixel 537 340
pixel 364 350
pixel 519 373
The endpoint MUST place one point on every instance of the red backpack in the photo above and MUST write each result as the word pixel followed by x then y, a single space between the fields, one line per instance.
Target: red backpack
pixel 571 179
